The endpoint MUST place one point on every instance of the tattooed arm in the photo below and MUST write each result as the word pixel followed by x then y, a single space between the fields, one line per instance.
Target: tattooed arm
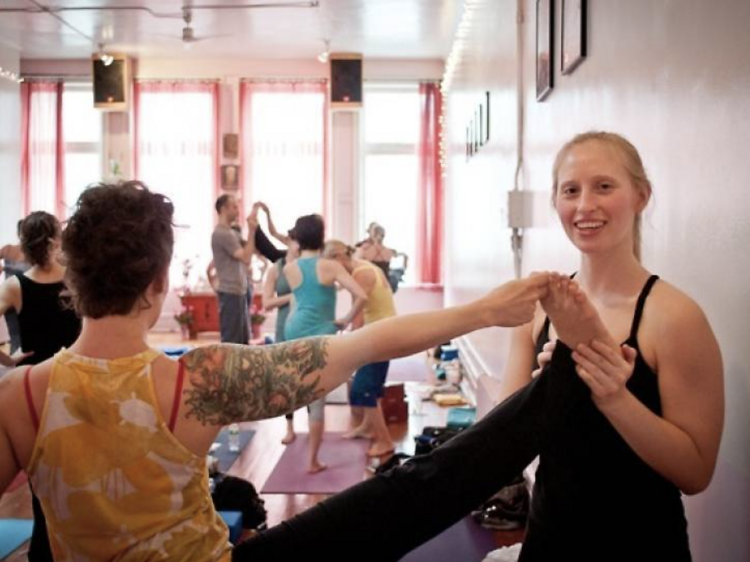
pixel 232 383
pixel 229 383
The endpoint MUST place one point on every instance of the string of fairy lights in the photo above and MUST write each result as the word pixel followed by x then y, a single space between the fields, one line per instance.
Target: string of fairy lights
pixel 469 18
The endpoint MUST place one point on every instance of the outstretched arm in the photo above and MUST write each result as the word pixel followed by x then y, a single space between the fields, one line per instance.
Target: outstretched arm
pixel 229 383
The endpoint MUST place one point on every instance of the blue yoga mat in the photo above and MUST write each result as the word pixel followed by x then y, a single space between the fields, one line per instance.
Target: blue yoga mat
pixel 223 454
pixel 13 533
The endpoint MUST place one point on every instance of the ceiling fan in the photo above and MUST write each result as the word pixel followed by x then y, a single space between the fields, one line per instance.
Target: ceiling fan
pixel 188 33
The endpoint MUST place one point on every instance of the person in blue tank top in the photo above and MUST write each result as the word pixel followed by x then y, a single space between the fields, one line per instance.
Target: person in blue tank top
pixel 609 486
pixel 277 294
pixel 313 281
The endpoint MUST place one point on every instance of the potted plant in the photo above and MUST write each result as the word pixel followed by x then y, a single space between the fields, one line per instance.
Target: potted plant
pixel 256 321
pixel 185 319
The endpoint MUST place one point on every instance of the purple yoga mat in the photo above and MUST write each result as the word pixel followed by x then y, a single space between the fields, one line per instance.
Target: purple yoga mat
pixel 409 369
pixel 345 458
pixel 465 541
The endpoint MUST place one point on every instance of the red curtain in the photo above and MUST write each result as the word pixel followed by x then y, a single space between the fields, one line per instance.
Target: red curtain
pixel 430 188
pixel 42 148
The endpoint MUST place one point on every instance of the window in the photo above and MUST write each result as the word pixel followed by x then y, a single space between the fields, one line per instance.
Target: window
pixel 176 156
pixel 82 135
pixel 284 147
pixel 391 165
pixel 75 136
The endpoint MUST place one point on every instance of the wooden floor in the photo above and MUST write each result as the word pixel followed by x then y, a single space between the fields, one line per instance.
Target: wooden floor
pixel 262 453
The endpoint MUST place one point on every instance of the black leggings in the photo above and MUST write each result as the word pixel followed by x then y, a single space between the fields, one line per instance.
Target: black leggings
pixel 383 518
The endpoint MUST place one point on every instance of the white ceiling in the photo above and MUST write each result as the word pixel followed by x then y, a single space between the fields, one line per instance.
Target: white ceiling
pixel 381 29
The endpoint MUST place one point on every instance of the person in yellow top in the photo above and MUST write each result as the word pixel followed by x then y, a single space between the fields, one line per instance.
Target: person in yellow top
pixel 114 435
pixel 367 389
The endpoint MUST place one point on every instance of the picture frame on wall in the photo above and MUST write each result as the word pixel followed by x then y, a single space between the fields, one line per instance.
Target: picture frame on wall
pixel 573 34
pixel 479 116
pixel 231 146
pixel 486 117
pixel 545 19
pixel 230 176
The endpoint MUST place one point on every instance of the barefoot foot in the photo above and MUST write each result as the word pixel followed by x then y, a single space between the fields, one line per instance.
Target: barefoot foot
pixel 357 433
pixel 289 438
pixel 573 315
pixel 379 449
pixel 316 467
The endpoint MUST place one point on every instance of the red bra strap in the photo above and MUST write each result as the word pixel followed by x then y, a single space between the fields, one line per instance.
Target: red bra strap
pixel 30 399
pixel 177 395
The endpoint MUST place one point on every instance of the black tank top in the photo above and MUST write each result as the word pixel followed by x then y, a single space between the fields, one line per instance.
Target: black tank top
pixel 46 321
pixel 594 498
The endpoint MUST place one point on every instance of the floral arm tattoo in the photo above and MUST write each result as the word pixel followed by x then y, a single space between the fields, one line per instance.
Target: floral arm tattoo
pixel 232 383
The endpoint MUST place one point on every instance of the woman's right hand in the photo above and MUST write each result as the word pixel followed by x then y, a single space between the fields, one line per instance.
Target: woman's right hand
pixel 544 357
pixel 514 303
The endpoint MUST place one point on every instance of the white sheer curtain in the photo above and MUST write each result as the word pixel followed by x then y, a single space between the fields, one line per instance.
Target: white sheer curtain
pixel 176 154
pixel 284 147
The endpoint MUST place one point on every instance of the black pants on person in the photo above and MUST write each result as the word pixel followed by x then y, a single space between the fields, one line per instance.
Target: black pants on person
pixel 383 518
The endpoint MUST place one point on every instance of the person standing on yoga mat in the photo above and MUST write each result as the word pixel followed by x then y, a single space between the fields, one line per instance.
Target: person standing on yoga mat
pixel 367 387
pixel 114 435
pixel 313 282
pixel 278 294
pixel 45 320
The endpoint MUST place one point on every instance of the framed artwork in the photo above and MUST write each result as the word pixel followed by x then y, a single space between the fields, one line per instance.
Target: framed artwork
pixel 477 132
pixel 545 19
pixel 230 175
pixel 486 117
pixel 573 34
pixel 231 145
pixel 479 116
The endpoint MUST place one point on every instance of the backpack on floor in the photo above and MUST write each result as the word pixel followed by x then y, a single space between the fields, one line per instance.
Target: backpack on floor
pixel 236 494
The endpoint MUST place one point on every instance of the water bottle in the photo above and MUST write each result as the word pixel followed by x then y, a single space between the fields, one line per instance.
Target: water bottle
pixel 234 438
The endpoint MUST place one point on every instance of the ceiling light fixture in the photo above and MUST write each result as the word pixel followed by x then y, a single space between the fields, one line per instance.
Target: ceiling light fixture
pixel 323 57
pixel 106 58
pixel 10 75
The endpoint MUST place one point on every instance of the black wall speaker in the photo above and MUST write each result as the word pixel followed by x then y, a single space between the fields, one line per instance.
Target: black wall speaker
pixel 346 80
pixel 111 84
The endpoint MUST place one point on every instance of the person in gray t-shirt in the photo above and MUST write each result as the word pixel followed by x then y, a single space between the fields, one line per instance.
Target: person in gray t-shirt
pixel 231 259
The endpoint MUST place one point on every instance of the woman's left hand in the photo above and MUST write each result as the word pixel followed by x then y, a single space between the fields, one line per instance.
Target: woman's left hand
pixel 605 370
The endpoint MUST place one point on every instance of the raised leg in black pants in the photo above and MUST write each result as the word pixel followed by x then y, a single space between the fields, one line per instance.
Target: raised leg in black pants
pixel 385 517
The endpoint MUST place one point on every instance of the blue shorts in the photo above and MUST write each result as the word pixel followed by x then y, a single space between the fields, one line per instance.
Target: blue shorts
pixel 368 385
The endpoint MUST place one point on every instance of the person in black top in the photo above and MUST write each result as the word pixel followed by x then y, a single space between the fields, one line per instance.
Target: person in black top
pixel 621 429
pixel 609 487
pixel 46 321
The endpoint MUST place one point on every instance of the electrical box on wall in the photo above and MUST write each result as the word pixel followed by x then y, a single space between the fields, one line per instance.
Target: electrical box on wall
pixel 520 209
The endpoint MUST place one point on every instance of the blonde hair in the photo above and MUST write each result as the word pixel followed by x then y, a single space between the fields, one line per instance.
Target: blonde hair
pixel 630 160
pixel 335 247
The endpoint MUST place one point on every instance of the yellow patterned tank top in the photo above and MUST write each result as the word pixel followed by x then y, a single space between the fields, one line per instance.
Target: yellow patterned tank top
pixel 379 303
pixel 114 483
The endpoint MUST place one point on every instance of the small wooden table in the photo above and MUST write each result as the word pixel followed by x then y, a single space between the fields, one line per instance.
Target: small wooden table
pixel 205 310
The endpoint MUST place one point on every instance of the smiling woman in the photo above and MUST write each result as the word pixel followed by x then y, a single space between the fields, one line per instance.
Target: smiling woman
pixel 652 427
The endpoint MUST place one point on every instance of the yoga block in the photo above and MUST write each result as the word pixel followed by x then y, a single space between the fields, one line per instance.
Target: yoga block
pixel 233 519
pixel 395 409
pixel 461 418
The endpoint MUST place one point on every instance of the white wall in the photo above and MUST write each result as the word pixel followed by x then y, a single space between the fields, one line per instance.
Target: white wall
pixel 673 77
pixel 10 148
pixel 10 155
